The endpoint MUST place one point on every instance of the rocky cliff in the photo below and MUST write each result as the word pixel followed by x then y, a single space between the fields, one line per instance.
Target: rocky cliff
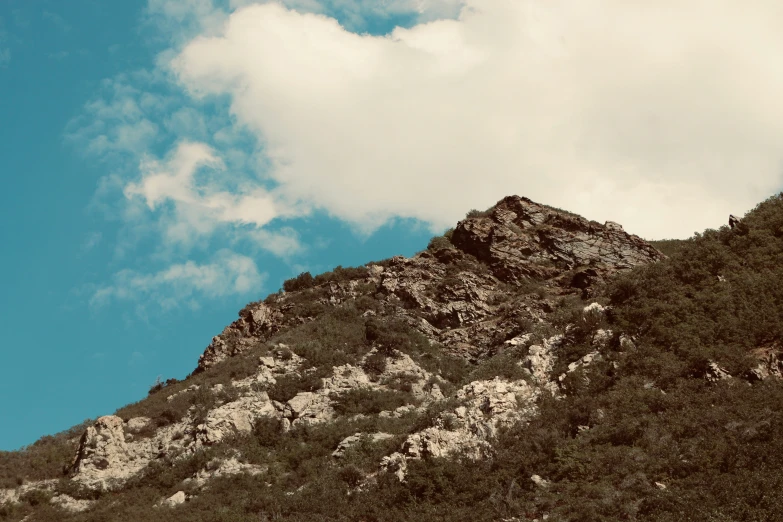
pixel 464 334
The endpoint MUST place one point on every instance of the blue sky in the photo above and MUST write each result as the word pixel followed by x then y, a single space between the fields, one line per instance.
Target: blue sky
pixel 164 162
pixel 66 359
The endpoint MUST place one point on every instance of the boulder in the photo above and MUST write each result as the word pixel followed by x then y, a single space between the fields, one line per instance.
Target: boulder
pixel 235 417
pixel 175 499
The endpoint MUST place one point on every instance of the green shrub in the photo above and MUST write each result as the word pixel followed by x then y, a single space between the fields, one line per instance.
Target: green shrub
pixel 287 386
pixel 479 213
pixel 438 243
pixel 370 402
pixel 301 282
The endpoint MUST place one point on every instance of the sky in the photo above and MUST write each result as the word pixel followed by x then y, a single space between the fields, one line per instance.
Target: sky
pixel 165 162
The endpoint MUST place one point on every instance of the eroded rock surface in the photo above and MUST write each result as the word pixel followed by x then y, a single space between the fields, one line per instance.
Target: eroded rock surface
pixel 523 239
pixel 468 429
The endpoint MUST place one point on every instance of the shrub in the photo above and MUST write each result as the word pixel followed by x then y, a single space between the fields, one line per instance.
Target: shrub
pixel 370 402
pixel 301 282
pixel 438 243
pixel 479 213
pixel 287 386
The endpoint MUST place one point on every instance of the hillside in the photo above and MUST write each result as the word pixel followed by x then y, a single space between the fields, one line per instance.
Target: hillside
pixel 528 365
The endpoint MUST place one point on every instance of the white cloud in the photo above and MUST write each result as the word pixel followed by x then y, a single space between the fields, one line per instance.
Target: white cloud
pixel 188 188
pixel 283 243
pixel 119 122
pixel 228 274
pixel 664 117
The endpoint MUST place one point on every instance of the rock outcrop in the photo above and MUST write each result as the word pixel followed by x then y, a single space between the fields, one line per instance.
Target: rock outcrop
pixel 256 322
pixel 522 239
pixel 451 295
pixel 468 429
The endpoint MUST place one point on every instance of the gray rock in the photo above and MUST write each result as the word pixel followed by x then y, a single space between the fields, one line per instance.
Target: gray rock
pixel 136 424
pixel 175 499
pixel 352 440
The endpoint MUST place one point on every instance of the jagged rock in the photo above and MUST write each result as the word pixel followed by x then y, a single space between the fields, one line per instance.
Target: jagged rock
pixel 468 429
pixel 519 340
pixel 522 239
pixel 235 417
pixel 254 324
pixel 309 408
pixel 443 297
pixel 715 373
pixel 346 377
pixel 104 460
pixel 540 359
pixel 400 365
pixel 356 438
pixel 189 389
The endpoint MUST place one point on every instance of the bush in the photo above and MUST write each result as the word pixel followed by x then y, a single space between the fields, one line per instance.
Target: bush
pixel 439 243
pixel 479 213
pixel 301 282
pixel 370 402
pixel 287 386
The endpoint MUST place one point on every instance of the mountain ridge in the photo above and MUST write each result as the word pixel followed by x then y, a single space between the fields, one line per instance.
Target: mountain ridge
pixel 523 321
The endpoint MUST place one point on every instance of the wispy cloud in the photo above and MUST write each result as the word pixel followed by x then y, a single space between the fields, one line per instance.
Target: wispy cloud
pixel 120 121
pixel 91 241
pixel 5 56
pixel 187 189
pixel 57 20
pixel 228 273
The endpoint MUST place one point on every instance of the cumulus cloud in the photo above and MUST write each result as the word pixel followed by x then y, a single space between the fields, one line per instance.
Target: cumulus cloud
pixel 663 116
pixel 227 274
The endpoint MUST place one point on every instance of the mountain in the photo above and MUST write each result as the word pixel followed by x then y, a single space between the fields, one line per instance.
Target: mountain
pixel 528 365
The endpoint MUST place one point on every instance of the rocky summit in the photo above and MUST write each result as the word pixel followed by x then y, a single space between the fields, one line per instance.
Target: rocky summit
pixel 529 364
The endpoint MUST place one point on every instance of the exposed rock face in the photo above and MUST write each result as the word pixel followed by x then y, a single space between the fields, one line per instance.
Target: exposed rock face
pixel 104 459
pixel 450 295
pixel 235 417
pixel 522 239
pixel 468 429
pixel 258 322
pixel 540 359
